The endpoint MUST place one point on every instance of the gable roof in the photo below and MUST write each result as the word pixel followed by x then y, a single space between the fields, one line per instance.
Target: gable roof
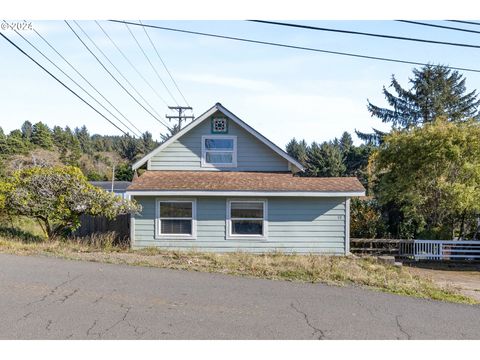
pixel 234 118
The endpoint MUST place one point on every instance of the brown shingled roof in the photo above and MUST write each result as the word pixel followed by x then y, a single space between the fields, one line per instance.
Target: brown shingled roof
pixel 241 181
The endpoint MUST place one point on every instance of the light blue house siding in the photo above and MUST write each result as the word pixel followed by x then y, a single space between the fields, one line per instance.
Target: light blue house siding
pixel 185 153
pixel 300 225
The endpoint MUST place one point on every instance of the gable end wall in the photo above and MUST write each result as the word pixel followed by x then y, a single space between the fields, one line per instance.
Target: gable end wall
pixel 185 153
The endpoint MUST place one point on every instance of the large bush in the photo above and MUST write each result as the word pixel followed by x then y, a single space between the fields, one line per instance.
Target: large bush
pixel 57 196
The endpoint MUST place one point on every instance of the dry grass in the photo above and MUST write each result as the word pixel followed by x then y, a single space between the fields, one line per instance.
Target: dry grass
pixel 364 272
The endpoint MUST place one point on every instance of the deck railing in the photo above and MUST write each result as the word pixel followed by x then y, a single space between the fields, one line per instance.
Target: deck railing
pixel 441 250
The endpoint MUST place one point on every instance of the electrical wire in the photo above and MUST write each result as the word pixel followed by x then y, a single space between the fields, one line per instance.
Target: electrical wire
pixel 465 22
pixel 294 46
pixel 85 79
pixel 113 65
pixel 113 77
pixel 163 63
pixel 131 64
pixel 76 83
pixel 60 81
pixel 151 65
pixel 366 34
pixel 439 26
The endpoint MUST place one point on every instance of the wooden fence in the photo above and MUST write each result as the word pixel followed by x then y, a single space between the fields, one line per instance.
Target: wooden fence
pixel 376 247
pixel 98 225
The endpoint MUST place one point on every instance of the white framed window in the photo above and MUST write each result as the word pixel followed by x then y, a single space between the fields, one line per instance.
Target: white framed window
pixel 176 219
pixel 219 151
pixel 246 219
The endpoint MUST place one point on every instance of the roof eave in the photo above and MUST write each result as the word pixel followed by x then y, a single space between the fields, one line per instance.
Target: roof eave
pixel 255 193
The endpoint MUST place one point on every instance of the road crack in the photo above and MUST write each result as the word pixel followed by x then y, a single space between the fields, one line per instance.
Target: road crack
pixel 68 296
pixel 400 328
pixel 53 291
pixel 320 332
pixel 91 328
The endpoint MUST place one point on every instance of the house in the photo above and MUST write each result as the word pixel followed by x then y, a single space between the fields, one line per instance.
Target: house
pixel 219 185
pixel 119 187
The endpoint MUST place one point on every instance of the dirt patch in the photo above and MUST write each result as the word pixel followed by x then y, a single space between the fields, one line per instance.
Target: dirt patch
pixel 464 277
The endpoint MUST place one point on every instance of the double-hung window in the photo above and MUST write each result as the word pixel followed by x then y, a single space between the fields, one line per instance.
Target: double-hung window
pixel 219 151
pixel 176 219
pixel 247 219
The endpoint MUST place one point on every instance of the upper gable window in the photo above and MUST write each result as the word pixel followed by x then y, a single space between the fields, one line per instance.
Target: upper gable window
pixel 219 151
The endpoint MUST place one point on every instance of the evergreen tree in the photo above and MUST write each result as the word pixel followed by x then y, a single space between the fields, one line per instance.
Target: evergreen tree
pixel 14 143
pixel 148 143
pixel 345 143
pixel 325 160
pixel 41 136
pixel 27 130
pixel 129 148
pixel 84 138
pixel 3 143
pixel 435 91
pixel 298 150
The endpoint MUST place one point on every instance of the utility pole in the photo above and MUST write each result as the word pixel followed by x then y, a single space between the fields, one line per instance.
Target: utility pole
pixel 113 176
pixel 181 114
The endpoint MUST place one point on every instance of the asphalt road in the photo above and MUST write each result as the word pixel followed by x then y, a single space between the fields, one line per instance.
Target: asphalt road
pixel 48 298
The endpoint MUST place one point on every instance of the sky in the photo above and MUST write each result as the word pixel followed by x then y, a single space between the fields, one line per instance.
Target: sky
pixel 282 93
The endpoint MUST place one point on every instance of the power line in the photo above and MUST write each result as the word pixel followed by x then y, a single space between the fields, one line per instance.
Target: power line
pixel 83 77
pixel 113 65
pixel 367 34
pixel 151 65
pixel 113 77
pixel 438 26
pixel 295 47
pixel 164 65
pixel 60 81
pixel 465 22
pixel 71 79
pixel 131 64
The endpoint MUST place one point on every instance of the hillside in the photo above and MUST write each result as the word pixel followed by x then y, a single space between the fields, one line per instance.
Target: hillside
pixel 95 155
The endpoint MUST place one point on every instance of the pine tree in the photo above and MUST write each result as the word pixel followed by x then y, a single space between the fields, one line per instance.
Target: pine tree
pixel 41 136
pixel 27 130
pixel 345 143
pixel 325 160
pixel 85 140
pixel 435 91
pixel 15 143
pixel 129 148
pixel 148 143
pixel 298 150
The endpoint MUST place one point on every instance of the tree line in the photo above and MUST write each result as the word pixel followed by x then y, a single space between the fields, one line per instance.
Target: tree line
pixel 78 148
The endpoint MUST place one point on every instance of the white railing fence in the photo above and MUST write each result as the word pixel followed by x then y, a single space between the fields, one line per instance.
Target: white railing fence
pixel 440 249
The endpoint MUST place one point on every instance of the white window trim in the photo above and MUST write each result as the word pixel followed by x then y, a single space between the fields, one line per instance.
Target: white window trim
pixel 234 151
pixel 230 236
pixel 159 235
